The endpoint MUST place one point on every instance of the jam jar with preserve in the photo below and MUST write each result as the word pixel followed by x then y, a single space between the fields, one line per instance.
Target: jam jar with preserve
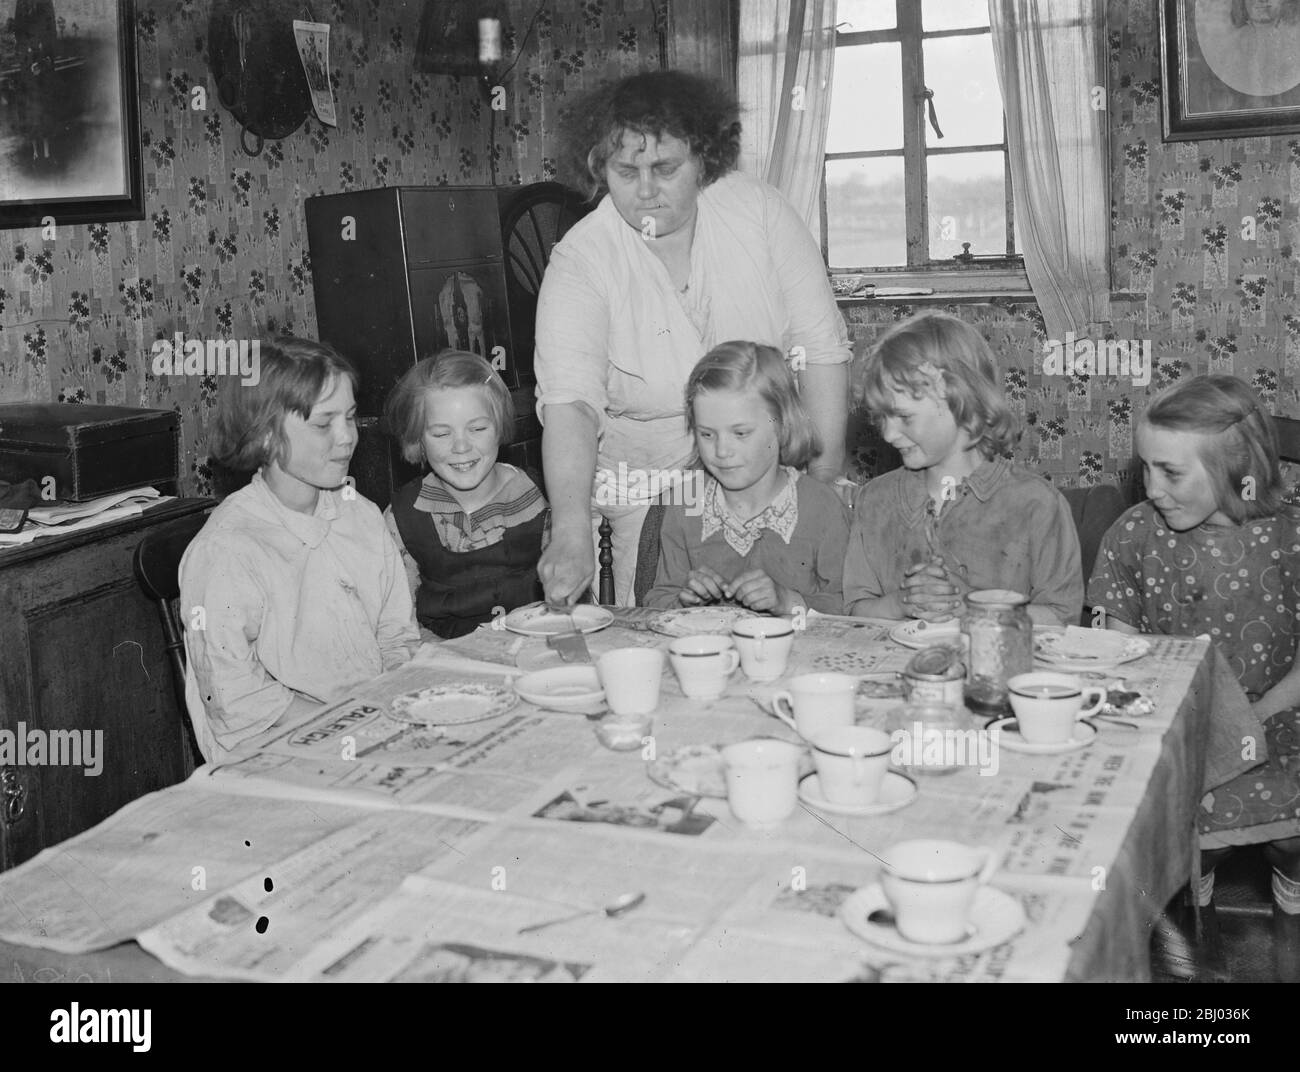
pixel 1001 646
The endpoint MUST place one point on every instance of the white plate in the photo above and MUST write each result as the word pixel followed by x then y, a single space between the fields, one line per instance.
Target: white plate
pixel 695 769
pixel 564 688
pixel 995 917
pixel 896 791
pixel 691 621
pixel 1083 735
pixel 537 620
pixel 1076 648
pixel 450 705
pixel 921 634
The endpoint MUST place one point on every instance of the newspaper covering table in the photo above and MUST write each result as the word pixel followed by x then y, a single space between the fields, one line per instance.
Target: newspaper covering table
pixel 387 850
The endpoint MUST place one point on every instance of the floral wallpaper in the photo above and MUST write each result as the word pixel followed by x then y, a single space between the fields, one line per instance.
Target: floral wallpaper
pixel 1208 297
pixel 223 251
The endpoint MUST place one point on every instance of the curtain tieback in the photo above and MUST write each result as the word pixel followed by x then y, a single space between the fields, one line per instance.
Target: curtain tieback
pixel 928 97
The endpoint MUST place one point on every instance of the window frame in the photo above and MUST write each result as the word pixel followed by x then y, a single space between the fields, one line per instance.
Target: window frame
pixel 993 273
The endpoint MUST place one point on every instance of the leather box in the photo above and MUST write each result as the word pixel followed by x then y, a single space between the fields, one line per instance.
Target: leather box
pixel 89 450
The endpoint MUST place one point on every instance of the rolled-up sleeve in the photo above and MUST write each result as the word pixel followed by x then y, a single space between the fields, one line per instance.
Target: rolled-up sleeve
pixel 572 355
pixel 815 321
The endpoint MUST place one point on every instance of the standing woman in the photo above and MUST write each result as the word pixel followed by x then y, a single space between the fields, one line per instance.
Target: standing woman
pixel 683 253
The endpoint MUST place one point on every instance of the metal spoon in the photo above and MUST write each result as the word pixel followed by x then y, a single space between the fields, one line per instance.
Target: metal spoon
pixel 618 906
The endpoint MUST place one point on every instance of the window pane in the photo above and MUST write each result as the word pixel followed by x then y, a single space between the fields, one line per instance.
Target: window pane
pixel 967 99
pixel 968 203
pixel 866 213
pixel 953 14
pixel 865 15
pixel 866 99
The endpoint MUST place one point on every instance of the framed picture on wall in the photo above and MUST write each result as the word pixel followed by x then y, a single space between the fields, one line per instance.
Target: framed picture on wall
pixel 69 113
pixel 1230 68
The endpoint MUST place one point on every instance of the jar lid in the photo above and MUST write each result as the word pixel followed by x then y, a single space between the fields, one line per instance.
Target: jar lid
pixel 997 597
pixel 935 661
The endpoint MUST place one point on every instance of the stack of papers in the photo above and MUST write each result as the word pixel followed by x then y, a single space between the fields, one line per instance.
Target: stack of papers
pixel 58 518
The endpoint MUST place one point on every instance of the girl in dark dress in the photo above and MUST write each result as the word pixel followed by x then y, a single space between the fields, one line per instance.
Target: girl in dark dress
pixel 1216 550
pixel 471 530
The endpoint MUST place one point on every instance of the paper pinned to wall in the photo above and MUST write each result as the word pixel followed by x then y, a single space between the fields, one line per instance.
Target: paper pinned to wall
pixel 314 50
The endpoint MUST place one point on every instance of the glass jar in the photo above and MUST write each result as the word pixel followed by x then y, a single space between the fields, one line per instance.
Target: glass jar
pixel 1001 646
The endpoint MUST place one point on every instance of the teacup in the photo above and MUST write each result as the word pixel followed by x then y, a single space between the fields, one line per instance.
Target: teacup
pixel 816 703
pixel 851 763
pixel 764 645
pixel 630 678
pixel 931 886
pixel 703 664
pixel 1047 704
pixel 762 780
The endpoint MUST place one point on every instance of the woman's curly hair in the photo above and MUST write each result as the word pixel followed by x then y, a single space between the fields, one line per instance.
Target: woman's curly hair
pixel 699 111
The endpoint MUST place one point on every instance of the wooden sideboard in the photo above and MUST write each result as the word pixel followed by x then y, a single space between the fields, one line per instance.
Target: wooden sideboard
pixel 81 648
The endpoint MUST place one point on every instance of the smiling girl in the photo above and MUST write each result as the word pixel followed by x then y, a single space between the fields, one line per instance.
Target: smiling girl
pixel 292 592
pixel 471 529
pixel 764 535
pixel 958 515
pixel 1215 550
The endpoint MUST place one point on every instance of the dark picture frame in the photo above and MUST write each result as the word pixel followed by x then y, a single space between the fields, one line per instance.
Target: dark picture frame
pixel 69 115
pixel 1230 68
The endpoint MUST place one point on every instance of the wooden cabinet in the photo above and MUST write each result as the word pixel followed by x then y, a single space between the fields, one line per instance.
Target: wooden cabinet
pixel 81 649
pixel 400 273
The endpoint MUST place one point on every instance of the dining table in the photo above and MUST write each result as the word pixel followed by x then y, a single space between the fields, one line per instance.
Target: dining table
pixel 365 844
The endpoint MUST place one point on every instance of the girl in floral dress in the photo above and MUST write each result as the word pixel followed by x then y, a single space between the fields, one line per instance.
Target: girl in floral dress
pixel 1216 550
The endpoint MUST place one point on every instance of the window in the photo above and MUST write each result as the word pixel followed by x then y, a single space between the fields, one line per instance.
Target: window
pixel 899 197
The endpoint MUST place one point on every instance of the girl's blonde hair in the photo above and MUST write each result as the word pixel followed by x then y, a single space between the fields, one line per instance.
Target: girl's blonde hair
pixel 751 366
pixel 908 355
pixel 404 412
pixel 1239 450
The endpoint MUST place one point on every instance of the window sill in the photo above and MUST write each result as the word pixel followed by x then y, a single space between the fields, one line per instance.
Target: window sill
pixel 934 285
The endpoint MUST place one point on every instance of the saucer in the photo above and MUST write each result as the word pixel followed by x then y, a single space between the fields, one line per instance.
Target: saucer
pixel 695 769
pixel 692 621
pixel 564 688
pixel 919 633
pixel 451 705
pixel 1084 734
pixel 896 791
pixel 995 917
pixel 1076 648
pixel 537 619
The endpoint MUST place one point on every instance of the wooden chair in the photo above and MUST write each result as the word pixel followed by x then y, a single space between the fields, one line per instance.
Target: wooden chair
pixel 157 564
pixel 647 553
pixel 1288 438
pixel 1094 510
